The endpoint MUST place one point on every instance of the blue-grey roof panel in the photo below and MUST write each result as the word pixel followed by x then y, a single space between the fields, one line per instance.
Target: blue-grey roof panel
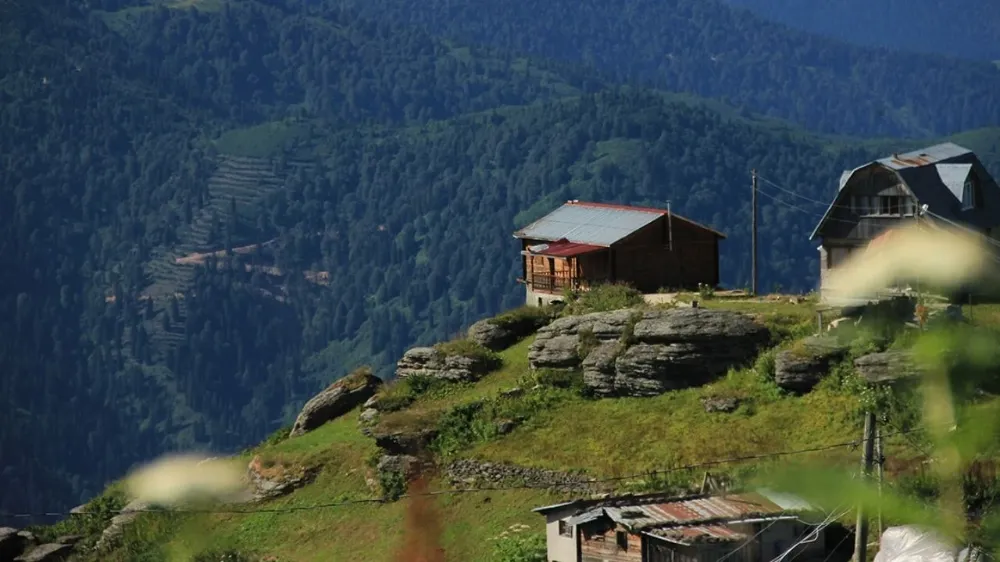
pixel 597 225
pixel 953 176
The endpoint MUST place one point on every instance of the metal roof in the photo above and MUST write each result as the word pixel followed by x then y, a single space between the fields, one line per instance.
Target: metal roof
pixel 930 174
pixel 597 224
pixel 924 156
pixel 563 249
pixel 694 510
pixel 698 534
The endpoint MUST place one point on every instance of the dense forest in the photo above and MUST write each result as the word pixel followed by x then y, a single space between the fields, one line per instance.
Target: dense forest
pixel 359 179
pixel 712 49
pixel 961 28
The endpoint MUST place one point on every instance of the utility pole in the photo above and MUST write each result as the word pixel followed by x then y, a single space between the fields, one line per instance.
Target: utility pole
pixel 861 531
pixel 879 460
pixel 753 236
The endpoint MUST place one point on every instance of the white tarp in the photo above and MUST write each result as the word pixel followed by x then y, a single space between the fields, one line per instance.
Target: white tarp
pixel 910 543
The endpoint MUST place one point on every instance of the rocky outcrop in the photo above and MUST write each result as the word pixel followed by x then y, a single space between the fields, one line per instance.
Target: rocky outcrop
pixel 400 442
pixel 12 543
pixel 501 333
pixel 272 480
pixel 408 466
pixel 432 362
pixel 53 552
pixel 338 399
pixel 887 367
pixel 723 404
pixel 468 473
pixel 800 368
pixel 126 516
pixel 630 353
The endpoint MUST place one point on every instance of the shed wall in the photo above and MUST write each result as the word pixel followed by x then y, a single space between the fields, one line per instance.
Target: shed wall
pixel 646 260
pixel 598 543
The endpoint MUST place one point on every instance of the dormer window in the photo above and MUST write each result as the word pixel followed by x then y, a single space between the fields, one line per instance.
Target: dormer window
pixel 970 193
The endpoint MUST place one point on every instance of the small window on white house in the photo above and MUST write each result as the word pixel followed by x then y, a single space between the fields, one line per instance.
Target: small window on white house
pixel 969 195
pixel 565 529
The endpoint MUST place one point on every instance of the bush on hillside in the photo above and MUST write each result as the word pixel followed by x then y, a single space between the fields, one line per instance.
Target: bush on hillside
pixel 602 298
pixel 402 392
pixel 514 545
pixel 524 316
pixel 467 348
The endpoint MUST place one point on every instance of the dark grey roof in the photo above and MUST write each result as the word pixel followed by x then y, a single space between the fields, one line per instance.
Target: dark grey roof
pixel 936 176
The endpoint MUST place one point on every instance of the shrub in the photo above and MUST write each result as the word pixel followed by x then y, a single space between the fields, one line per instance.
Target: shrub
pixel 706 291
pixel 392 484
pixel 588 342
pixel 467 348
pixel 516 546
pixel 525 317
pixel 603 298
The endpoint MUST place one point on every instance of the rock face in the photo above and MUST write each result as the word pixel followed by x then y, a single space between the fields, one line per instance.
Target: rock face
pixel 274 481
pixel 801 368
pixel 11 544
pixel 338 399
pixel 54 552
pixel 431 362
pixel 886 367
pixel 498 335
pixel 666 350
pixel 407 465
pixel 404 442
pixel 128 514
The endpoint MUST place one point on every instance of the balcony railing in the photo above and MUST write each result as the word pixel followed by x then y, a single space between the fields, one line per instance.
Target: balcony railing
pixel 553 282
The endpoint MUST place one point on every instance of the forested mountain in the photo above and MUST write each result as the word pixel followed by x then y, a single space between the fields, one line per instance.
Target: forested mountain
pixel 961 28
pixel 359 180
pixel 104 118
pixel 712 49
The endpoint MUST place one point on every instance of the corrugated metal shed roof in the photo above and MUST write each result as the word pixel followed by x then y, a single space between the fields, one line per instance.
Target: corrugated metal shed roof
pixel 693 510
pixel 695 534
pixel 587 224
pixel 597 224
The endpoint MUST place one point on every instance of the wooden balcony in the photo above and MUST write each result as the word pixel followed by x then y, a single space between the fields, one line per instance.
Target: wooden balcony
pixel 553 282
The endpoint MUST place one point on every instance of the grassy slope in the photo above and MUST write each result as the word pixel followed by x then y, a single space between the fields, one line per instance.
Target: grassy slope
pixel 610 437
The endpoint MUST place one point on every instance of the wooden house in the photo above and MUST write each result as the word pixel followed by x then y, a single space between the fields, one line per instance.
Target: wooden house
pixel 581 244
pixel 742 527
pixel 942 185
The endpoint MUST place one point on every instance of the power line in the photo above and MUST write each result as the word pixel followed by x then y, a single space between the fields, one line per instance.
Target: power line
pixel 799 195
pixel 361 501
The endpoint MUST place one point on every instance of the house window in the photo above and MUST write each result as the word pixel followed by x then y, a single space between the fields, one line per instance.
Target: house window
pixel 969 195
pixel 565 530
pixel 621 537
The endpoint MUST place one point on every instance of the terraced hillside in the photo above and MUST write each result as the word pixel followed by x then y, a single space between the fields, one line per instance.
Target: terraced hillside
pixel 236 186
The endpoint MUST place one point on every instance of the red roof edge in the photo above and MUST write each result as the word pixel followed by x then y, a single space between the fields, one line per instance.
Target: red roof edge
pixel 563 248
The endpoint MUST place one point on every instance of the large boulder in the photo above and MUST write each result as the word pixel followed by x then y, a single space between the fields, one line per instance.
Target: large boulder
pixel 887 367
pixel 432 362
pixel 271 480
pixel 800 368
pixel 116 527
pixel 558 345
pixel 12 544
pixel 507 329
pixel 630 353
pixel 338 399
pixel 53 552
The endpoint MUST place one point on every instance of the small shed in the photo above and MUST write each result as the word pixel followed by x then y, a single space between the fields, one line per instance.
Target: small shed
pixel 745 527
pixel 581 244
